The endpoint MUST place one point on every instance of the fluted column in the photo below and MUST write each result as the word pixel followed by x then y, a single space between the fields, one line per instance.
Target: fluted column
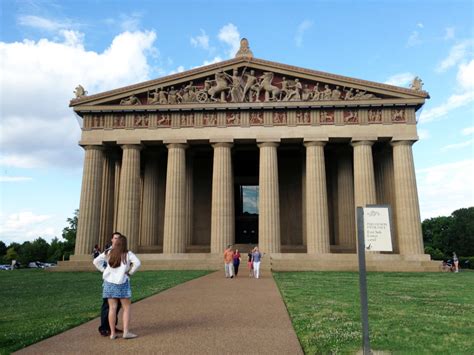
pixel 364 179
pixel 88 227
pixel 269 199
pixel 107 204
pixel 128 216
pixel 317 227
pixel 174 238
pixel 189 199
pixel 149 226
pixel 410 237
pixel 345 203
pixel 118 168
pixel 222 216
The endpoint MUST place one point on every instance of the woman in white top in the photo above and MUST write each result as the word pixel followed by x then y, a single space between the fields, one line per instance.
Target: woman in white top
pixel 121 263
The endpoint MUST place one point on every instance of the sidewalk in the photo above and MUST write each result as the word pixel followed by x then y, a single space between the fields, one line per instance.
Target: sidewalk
pixel 209 315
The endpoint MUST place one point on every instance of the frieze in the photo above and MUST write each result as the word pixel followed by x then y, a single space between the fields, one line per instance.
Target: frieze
pixel 246 85
pixel 248 118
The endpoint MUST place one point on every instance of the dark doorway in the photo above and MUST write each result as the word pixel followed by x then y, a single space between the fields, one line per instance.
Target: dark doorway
pixel 246 192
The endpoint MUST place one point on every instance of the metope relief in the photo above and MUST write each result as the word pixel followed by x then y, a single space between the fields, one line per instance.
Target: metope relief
pixel 256 118
pixel 375 116
pixel 350 116
pixel 141 121
pixel 398 115
pixel 326 116
pixel 232 118
pixel 280 118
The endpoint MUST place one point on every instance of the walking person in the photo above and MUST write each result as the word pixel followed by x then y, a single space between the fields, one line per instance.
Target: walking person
pixel 229 262
pixel 256 257
pixel 96 251
pixel 249 263
pixel 121 264
pixel 236 262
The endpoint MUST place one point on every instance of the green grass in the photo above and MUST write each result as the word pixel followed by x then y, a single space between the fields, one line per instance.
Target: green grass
pixel 36 304
pixel 408 312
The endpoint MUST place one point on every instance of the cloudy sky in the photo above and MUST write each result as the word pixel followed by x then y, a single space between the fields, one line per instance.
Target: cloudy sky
pixel 48 47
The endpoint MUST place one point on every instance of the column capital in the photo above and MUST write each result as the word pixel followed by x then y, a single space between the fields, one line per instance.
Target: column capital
pixel 222 145
pixel 176 146
pixel 363 142
pixel 404 142
pixel 93 147
pixel 314 144
pixel 268 144
pixel 132 146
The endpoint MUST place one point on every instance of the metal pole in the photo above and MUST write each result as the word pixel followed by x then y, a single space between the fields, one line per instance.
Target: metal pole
pixel 364 306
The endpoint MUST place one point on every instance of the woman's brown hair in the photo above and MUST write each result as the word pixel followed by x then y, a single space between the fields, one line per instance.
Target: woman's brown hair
pixel 118 254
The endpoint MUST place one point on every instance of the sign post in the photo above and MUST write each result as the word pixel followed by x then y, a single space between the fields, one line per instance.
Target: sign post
pixel 364 305
pixel 373 234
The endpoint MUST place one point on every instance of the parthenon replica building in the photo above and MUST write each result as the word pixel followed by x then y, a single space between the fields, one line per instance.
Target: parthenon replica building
pixel 244 152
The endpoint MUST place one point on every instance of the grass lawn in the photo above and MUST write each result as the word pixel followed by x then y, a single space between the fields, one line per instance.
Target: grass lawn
pixel 36 304
pixel 408 312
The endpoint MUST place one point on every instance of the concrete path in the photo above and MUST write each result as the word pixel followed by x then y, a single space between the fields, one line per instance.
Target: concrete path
pixel 209 315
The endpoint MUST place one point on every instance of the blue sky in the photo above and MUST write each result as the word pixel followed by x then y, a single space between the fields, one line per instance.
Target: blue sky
pixel 48 47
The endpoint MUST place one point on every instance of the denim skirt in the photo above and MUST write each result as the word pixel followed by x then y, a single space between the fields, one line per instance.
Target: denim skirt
pixel 110 290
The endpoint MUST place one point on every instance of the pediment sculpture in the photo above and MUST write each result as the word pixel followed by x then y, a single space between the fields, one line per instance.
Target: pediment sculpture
pixel 246 85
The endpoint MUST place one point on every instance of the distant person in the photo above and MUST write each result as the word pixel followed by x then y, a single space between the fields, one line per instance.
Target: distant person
pixel 236 262
pixel 96 251
pixel 13 264
pixel 249 263
pixel 256 257
pixel 456 262
pixel 104 328
pixel 121 264
pixel 229 262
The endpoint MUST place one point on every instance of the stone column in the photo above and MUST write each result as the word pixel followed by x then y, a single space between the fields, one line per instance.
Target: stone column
pixel 364 179
pixel 174 238
pixel 222 216
pixel 317 227
pixel 128 216
pixel 303 199
pixel 345 203
pixel 88 227
pixel 269 200
pixel 118 168
pixel 189 199
pixel 149 226
pixel 108 197
pixel 410 237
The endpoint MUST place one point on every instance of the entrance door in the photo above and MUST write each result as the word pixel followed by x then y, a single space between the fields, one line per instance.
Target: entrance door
pixel 246 214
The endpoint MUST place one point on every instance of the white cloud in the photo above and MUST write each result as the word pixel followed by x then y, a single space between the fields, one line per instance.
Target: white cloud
pixel 423 134
pixel 126 22
pixel 457 145
pixel 38 128
pixel 420 25
pixel 42 23
pixel 414 39
pixel 467 131
pixel 26 225
pixel 302 28
pixel 229 34
pixel 201 41
pixel 457 53
pixel 465 80
pixel 448 33
pixel 179 69
pixel 445 188
pixel 401 79
pixel 15 178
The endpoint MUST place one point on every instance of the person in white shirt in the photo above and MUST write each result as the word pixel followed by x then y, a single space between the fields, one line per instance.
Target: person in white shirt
pixel 121 263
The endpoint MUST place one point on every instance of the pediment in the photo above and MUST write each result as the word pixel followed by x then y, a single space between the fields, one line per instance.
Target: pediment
pixel 248 82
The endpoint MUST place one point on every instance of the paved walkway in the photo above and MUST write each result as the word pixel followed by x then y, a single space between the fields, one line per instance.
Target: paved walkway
pixel 209 315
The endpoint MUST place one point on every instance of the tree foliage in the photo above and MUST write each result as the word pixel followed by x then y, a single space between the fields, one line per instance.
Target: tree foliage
pixel 40 249
pixel 444 235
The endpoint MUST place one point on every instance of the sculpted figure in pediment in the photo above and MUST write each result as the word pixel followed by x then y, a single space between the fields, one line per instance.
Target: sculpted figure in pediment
pixel 236 88
pixel 315 95
pixel 220 88
pixel 251 86
pixel 306 95
pixel 416 84
pixel 349 95
pixel 271 91
pixel 79 91
pixel 295 91
pixel 132 100
pixel 284 88
pixel 336 94
pixel 327 93
pixel 154 97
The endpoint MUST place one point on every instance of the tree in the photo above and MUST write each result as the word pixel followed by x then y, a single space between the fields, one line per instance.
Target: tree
pixel 11 254
pixel 56 250
pixel 445 235
pixel 69 234
pixel 3 248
